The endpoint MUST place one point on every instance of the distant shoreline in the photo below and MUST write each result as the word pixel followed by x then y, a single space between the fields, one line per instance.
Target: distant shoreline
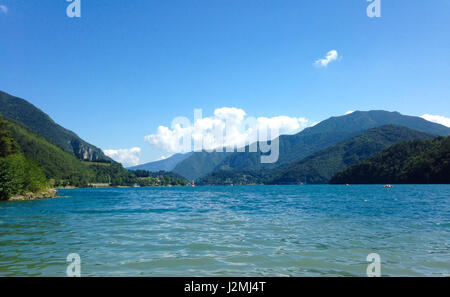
pixel 120 187
pixel 251 185
pixel 53 193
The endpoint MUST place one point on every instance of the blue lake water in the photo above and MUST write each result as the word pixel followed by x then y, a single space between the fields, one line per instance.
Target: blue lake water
pixel 230 231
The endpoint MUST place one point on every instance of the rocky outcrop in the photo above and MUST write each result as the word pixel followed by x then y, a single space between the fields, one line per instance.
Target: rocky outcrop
pixel 50 193
pixel 86 152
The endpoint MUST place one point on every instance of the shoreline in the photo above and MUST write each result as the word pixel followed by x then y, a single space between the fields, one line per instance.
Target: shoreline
pixel 53 192
pixel 118 187
pixel 47 194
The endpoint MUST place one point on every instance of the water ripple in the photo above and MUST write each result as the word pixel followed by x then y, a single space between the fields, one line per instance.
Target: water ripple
pixel 230 231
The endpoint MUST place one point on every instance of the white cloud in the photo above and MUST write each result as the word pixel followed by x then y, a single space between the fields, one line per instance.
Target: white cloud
pixel 229 127
pixel 349 112
pixel 3 9
pixel 437 119
pixel 128 157
pixel 330 57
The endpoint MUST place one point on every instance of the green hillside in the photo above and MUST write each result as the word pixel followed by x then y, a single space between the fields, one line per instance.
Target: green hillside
pixel 56 163
pixel 235 177
pixel 320 167
pixel 21 111
pixel 311 140
pixel 160 178
pixel 18 174
pixel 414 162
pixel 63 168
pixel 30 164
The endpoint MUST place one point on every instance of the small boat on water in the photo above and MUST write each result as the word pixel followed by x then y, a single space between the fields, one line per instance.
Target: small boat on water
pixel 193 184
pixel 388 186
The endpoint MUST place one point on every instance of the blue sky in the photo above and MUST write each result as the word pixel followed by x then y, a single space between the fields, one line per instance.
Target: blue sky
pixel 126 67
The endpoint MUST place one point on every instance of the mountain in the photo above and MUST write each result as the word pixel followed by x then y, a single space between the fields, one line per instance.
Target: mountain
pixel 414 162
pixel 149 178
pixel 63 168
pixel 31 164
pixel 162 165
pixel 320 167
pixel 56 163
pixel 311 140
pixel 21 111
pixel 199 164
pixel 363 120
pixel 18 174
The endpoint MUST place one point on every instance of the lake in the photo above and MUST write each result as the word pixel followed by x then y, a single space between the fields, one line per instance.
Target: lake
pixel 230 231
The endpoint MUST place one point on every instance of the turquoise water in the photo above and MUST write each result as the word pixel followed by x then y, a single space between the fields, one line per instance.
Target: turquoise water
pixel 230 231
